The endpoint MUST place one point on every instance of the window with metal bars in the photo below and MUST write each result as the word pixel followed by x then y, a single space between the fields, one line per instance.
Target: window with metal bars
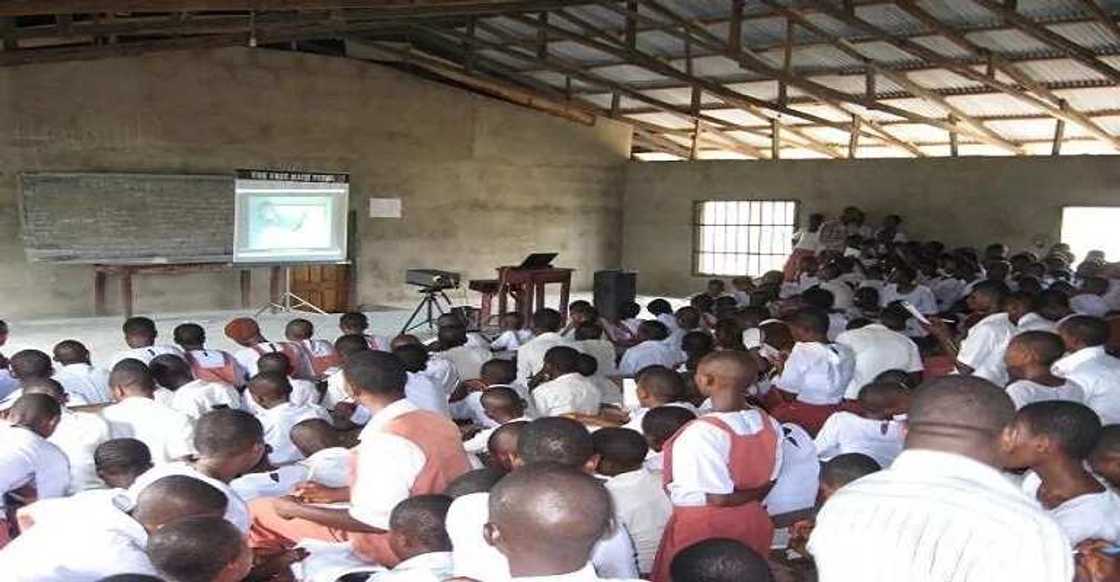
pixel 742 237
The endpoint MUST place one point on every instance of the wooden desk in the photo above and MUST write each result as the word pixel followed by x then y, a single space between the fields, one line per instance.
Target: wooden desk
pixel 102 271
pixel 527 289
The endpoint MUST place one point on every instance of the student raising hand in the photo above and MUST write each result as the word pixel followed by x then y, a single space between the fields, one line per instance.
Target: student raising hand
pixel 1094 564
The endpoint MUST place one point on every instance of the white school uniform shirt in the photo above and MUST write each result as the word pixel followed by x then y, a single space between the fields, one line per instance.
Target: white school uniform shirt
pixel 168 433
pixel 1093 516
pixel 530 356
pixel 669 321
pixel 145 354
pixel 878 349
pixel 26 457
pixel 566 394
pixel 510 340
pixel 845 433
pixel 1024 392
pixel 947 291
pixel 481 440
pixel 468 360
pixel 422 391
pixel 247 357
pixel 636 416
pixel 78 434
pixel 1089 304
pixel 1098 374
pixel 604 353
pixel 387 466
pixel 649 353
pixel 8 384
pixel 304 393
pixel 799 478
pixel 65 508
pixel 237 511
pixel 441 371
pixel 818 373
pixel 278 422
pixel 702 453
pixel 84 383
pixel 276 483
pixel 336 390
pixel 842 294
pixel 330 467
pixel 921 297
pixel 937 517
pixel 983 348
pixel 641 505
pixel 198 397
pixel 1035 322
pixel 99 540
pixel 430 567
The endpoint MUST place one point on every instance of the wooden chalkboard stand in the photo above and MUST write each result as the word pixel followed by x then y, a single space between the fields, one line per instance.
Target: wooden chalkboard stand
pixel 102 271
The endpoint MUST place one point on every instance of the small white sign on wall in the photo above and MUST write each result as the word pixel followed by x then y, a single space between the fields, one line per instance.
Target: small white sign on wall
pixel 384 207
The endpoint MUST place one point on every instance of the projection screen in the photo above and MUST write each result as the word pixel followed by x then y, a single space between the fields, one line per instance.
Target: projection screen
pixel 290 217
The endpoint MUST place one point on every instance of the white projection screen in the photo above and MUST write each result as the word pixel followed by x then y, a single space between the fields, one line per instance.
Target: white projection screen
pixel 290 217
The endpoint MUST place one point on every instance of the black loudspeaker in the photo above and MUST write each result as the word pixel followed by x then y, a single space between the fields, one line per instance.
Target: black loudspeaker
pixel 613 289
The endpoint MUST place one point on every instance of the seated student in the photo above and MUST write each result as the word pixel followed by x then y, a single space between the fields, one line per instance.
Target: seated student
pixel 277 415
pixel 879 347
pixel 546 335
pixel 842 293
pixel 420 389
pixel 719 560
pixel 835 473
pixel 356 323
pixel 30 467
pixel 903 286
pixel 1105 458
pixel 1022 310
pixel 472 558
pixel 245 332
pixel 208 364
pixel 865 304
pixel 741 288
pixel 688 320
pixel 496 372
pixel 816 374
pixel 562 389
pixel 658 386
pixel 403 451
pixel 26 366
pixel 140 335
pixel 796 485
pixel 319 355
pixel 822 299
pixel 438 369
pixel 514 334
pixel 650 351
pixel 728 333
pixel 695 345
pixel 502 405
pixel 1089 299
pixel 467 359
pixel 579 313
pixel 873 278
pixel 83 382
pixel 981 351
pixel 806 277
pixel 337 392
pixel 191 397
pixel 1087 364
pixel 876 431
pixel 78 434
pixel 639 501
pixel 1030 358
pixel 546 519
pixel 475 340
pixel 107 539
pixel 610 390
pixel 167 432
pixel 418 534
pixel 719 468
pixel 623 329
pixel 304 392
pixel 1053 439
pixel 200 549
pixel 326 464
pixel 658 426
pixel 590 339
pixel 501 449
pixel 229 444
pixel 662 311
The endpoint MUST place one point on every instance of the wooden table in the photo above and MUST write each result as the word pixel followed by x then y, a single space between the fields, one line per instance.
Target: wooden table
pixel 126 272
pixel 527 289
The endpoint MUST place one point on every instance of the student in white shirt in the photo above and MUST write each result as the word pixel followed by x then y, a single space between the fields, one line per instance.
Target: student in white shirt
pixel 168 433
pixel 591 340
pixel 563 390
pixel 83 382
pixel 822 299
pixel 1105 458
pixel 502 405
pixel 652 350
pixel 1089 365
pixel 879 347
pixel 816 374
pixel 1022 311
pixel 875 432
pixel 799 478
pixel 418 533
pixel 78 434
pixel 278 415
pixel 326 462
pixel 903 286
pixel 546 335
pixel 319 355
pixel 546 519
pixel 420 389
pixel 1053 439
pixel 834 474
pixel 981 351
pixel 842 294
pixel 191 397
pixel 942 511
pixel 356 323
pixel 107 538
pixel 200 548
pixel 720 560
pixel 245 332
pixel 662 311
pixel 140 334
pixel 513 334
pixel 1030 358
pixel 304 392
pixel 30 466
pixel 658 426
pixel 637 496
pixel 337 392
pixel 467 359
pixel 658 386
pixel 208 364
pixel 1090 299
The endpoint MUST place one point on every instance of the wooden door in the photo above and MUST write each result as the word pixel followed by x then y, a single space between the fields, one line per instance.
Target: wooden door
pixel 326 286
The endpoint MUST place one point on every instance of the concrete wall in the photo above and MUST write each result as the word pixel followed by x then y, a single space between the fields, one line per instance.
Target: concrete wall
pixel 483 182
pixel 964 201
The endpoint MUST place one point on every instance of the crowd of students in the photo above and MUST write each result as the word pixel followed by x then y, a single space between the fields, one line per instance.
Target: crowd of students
pixel 884 409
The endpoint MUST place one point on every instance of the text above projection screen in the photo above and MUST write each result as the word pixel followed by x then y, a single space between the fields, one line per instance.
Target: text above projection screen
pixel 290 217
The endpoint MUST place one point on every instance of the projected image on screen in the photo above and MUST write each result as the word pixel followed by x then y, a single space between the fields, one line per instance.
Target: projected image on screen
pixel 282 220
pixel 296 222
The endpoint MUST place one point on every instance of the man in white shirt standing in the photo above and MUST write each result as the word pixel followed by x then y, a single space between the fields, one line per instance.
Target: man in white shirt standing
pixel 82 381
pixel 29 465
pixel 168 433
pixel 564 390
pixel 1090 366
pixel 879 347
pixel 192 397
pixel 140 335
pixel 546 326
pixel 943 511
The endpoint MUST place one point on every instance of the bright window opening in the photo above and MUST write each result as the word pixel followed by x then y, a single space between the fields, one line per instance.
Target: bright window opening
pixel 1091 228
pixel 742 237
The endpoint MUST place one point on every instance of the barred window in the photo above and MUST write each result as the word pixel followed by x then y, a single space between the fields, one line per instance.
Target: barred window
pixel 742 237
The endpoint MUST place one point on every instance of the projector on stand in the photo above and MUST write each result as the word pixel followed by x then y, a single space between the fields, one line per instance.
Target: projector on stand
pixel 433 279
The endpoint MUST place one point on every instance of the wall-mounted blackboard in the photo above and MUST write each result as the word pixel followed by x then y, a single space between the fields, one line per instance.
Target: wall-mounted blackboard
pixel 123 218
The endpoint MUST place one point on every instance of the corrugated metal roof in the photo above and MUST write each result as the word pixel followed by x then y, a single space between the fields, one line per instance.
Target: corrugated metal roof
pixel 890 18
pixel 1091 99
pixel 1008 41
pixel 628 74
pixel 1059 71
pixel 1088 34
pixel 993 104
pixel 663 119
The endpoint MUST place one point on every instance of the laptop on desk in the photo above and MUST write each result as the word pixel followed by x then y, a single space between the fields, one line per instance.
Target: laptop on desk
pixel 538 261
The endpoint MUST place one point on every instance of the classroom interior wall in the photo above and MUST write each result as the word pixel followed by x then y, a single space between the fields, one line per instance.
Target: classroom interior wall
pixel 482 182
pixel 962 201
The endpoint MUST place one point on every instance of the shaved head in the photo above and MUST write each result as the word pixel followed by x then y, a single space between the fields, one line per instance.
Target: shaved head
pixel 71 352
pixel 739 366
pixel 28 364
pixel 39 412
pixel 47 386
pixel 270 387
pixel 959 414
pixel 314 435
pixel 195 549
pixel 175 497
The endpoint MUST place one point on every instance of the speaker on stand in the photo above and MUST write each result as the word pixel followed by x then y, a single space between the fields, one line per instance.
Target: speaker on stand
pixel 613 289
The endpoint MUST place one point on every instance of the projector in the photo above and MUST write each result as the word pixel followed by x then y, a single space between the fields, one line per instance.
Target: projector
pixel 432 279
